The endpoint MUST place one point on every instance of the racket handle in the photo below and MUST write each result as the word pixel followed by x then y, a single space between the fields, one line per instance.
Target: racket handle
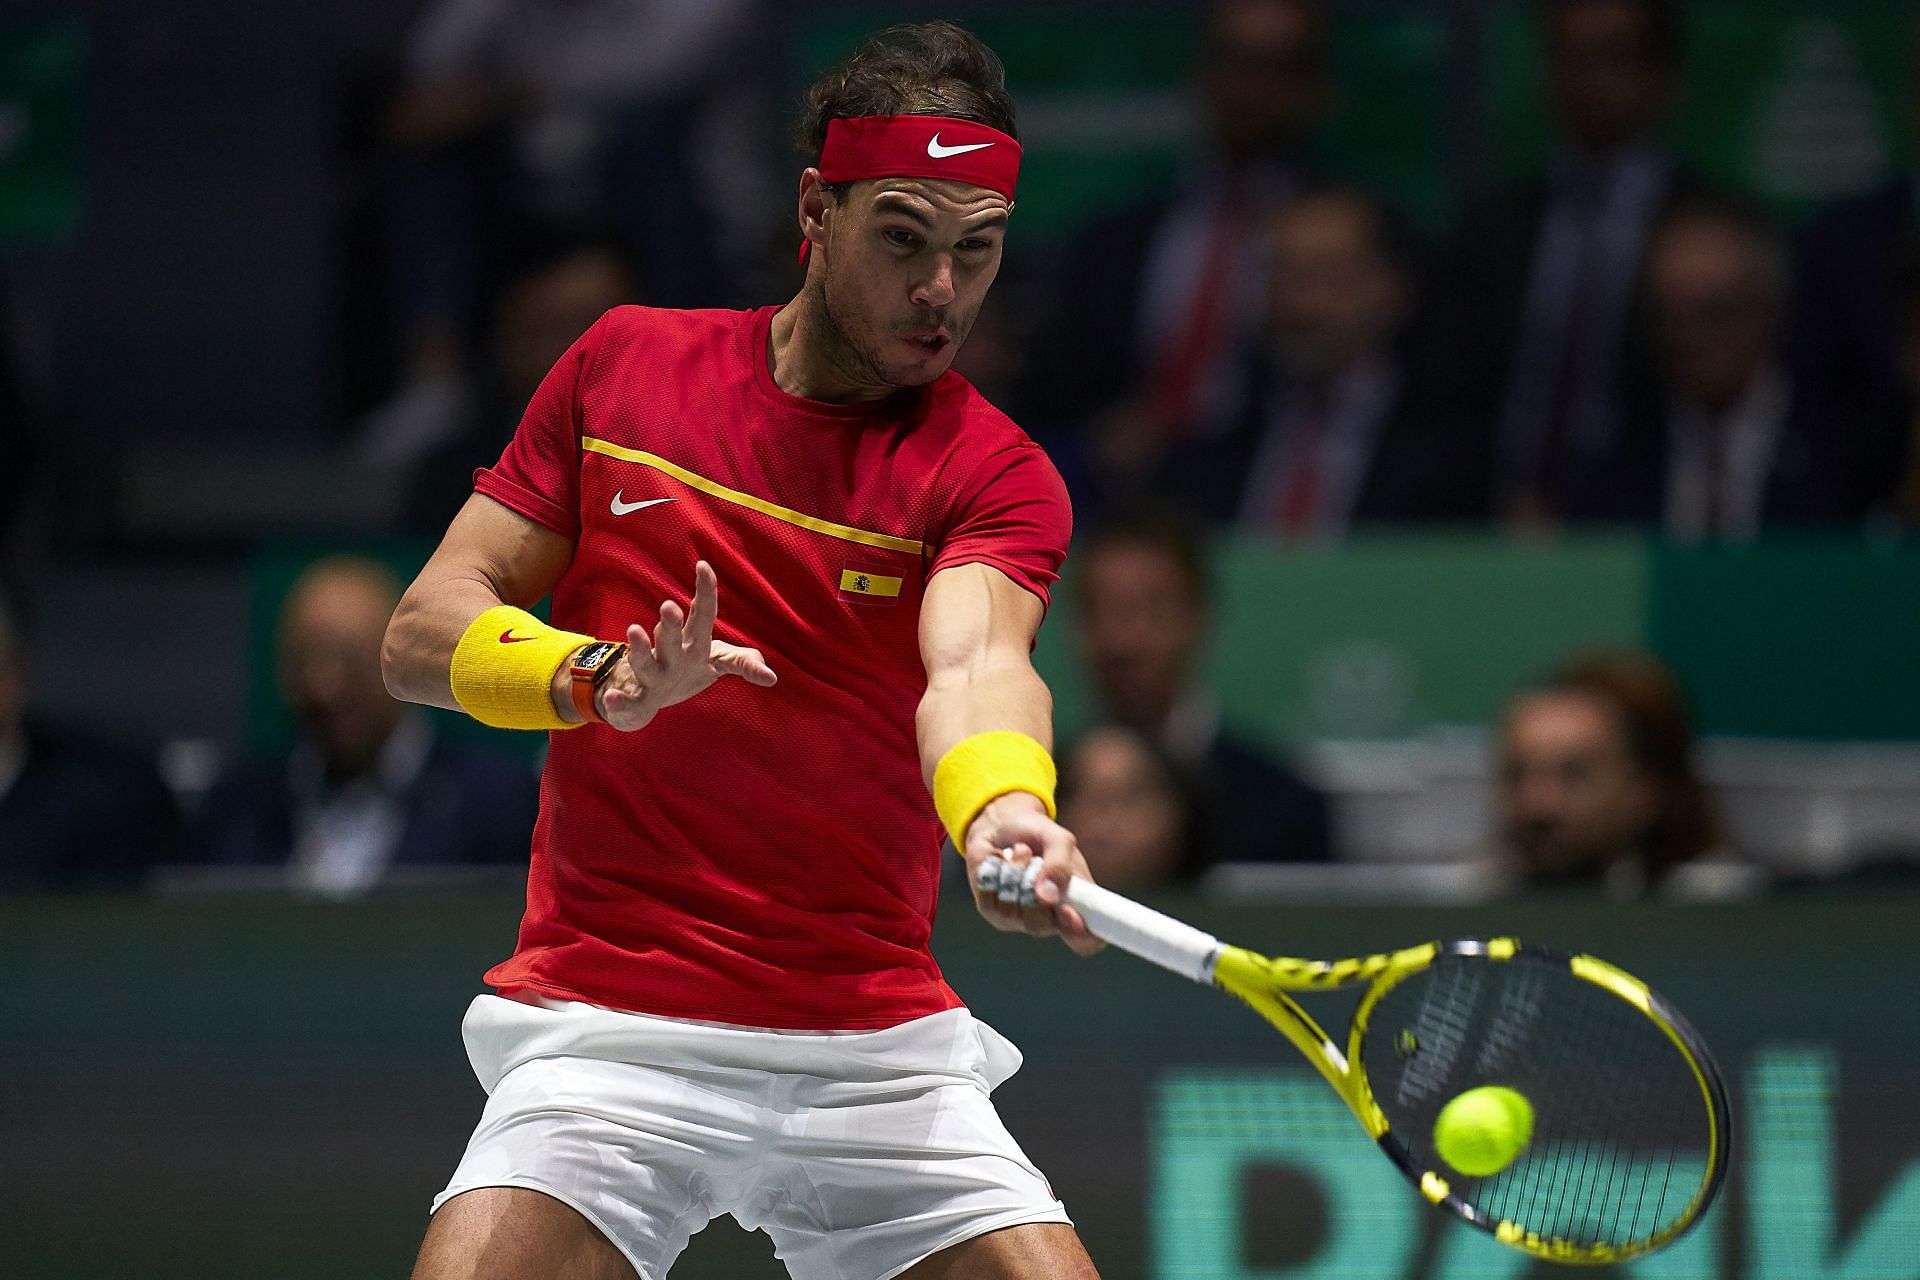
pixel 1149 934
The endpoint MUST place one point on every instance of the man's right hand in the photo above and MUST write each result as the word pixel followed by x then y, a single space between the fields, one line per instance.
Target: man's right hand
pixel 680 660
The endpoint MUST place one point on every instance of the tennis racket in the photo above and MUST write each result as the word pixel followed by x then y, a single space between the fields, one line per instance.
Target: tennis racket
pixel 1631 1125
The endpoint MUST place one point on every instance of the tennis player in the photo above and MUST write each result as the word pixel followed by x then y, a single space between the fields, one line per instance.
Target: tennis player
pixel 723 1000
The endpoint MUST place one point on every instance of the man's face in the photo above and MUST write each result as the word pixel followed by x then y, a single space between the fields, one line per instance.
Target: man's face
pixel 330 635
pixel 1123 809
pixel 1140 628
pixel 1263 75
pixel 907 267
pixel 1335 297
pixel 1573 800
pixel 1606 78
pixel 1714 316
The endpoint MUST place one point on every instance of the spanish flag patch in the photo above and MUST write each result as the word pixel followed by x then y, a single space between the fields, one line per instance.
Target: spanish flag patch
pixel 866 586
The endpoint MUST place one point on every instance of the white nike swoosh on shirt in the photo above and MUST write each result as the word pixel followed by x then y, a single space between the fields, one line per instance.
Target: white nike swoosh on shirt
pixel 620 508
pixel 939 152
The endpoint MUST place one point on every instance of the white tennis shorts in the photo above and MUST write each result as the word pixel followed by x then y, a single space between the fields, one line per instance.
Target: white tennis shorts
pixel 859 1152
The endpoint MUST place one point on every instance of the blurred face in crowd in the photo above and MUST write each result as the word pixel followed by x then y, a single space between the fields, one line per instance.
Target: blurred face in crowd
pixel 1716 299
pixel 1573 799
pixel 1263 76
pixel 1337 296
pixel 907 266
pixel 330 633
pixel 1124 809
pixel 1607 79
pixel 541 315
pixel 1141 624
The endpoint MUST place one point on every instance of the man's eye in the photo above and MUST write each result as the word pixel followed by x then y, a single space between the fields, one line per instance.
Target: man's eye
pixel 975 246
pixel 905 239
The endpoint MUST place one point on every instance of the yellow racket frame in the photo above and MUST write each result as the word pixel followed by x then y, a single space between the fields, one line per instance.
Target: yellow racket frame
pixel 1263 981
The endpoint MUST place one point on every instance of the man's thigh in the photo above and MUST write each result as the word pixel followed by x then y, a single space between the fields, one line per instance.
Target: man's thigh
pixel 510 1233
pixel 1036 1251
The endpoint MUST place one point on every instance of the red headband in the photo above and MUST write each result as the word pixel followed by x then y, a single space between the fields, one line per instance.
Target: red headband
pixel 863 147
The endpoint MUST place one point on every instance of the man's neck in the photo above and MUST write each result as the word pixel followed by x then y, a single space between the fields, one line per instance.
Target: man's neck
pixel 808 357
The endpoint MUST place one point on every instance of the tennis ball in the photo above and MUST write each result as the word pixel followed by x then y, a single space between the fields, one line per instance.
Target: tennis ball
pixel 1481 1131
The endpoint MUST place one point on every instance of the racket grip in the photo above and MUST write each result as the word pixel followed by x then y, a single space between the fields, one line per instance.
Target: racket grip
pixel 1149 934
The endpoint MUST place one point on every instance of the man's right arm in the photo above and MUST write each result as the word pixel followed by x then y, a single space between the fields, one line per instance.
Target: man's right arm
pixel 494 556
pixel 490 556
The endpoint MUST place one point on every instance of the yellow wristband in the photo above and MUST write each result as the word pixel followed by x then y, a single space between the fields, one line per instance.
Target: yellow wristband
pixel 503 669
pixel 975 770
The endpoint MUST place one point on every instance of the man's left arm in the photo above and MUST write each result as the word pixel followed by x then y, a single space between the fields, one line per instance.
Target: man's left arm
pixel 985 699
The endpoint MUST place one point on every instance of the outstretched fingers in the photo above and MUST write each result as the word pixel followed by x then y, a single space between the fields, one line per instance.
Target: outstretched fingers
pixel 669 638
pixel 706 607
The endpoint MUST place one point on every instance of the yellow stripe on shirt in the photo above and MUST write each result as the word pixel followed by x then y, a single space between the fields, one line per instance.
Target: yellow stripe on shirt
pixel 715 489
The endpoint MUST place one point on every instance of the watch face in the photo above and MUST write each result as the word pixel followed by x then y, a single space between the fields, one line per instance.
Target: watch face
pixel 597 655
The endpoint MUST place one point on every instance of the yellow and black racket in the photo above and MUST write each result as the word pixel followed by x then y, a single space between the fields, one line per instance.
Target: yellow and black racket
pixel 1629 1122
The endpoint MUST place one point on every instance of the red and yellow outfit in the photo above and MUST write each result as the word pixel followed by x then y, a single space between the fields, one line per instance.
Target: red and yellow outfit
pixel 763 857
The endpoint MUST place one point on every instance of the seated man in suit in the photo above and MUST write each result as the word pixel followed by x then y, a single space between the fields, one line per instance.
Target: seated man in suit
pixel 369 784
pixel 1847 312
pixel 1333 428
pixel 73 814
pixel 1143 616
pixel 1540 297
pixel 1160 302
pixel 1742 446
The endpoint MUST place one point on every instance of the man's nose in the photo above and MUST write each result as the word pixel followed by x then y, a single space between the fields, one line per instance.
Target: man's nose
pixel 936 290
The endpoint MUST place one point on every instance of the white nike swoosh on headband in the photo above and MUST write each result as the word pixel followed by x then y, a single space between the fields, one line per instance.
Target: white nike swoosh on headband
pixel 620 508
pixel 939 152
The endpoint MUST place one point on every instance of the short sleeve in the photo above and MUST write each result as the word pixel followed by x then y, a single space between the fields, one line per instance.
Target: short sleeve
pixel 539 473
pixel 1013 514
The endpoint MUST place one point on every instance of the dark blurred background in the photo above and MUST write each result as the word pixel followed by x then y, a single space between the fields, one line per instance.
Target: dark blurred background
pixel 1495 449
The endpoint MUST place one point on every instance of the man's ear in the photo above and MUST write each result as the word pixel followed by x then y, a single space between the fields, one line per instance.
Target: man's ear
pixel 815 204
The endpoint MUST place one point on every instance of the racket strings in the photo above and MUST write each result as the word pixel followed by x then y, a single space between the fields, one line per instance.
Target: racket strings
pixel 1621 1132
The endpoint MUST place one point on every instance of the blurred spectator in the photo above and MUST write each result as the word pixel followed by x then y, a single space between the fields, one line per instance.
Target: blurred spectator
pixel 1544 287
pixel 543 112
pixel 1907 399
pixel 548 303
pixel 73 815
pixel 1744 445
pixel 1597 780
pixel 1130 806
pixel 1144 613
pixel 369 784
pixel 1157 306
pixel 1334 430
pixel 1847 323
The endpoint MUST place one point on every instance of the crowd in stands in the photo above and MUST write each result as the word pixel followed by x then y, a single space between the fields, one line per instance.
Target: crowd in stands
pixel 1613 340
pixel 1263 349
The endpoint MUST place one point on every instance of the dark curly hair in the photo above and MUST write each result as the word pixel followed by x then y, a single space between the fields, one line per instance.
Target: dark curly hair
pixel 921 69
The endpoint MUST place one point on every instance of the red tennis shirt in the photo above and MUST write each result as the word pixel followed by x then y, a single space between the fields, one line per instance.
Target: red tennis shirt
pixel 763 857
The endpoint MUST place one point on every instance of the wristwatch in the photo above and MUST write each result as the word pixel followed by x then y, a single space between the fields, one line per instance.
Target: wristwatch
pixel 591 667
